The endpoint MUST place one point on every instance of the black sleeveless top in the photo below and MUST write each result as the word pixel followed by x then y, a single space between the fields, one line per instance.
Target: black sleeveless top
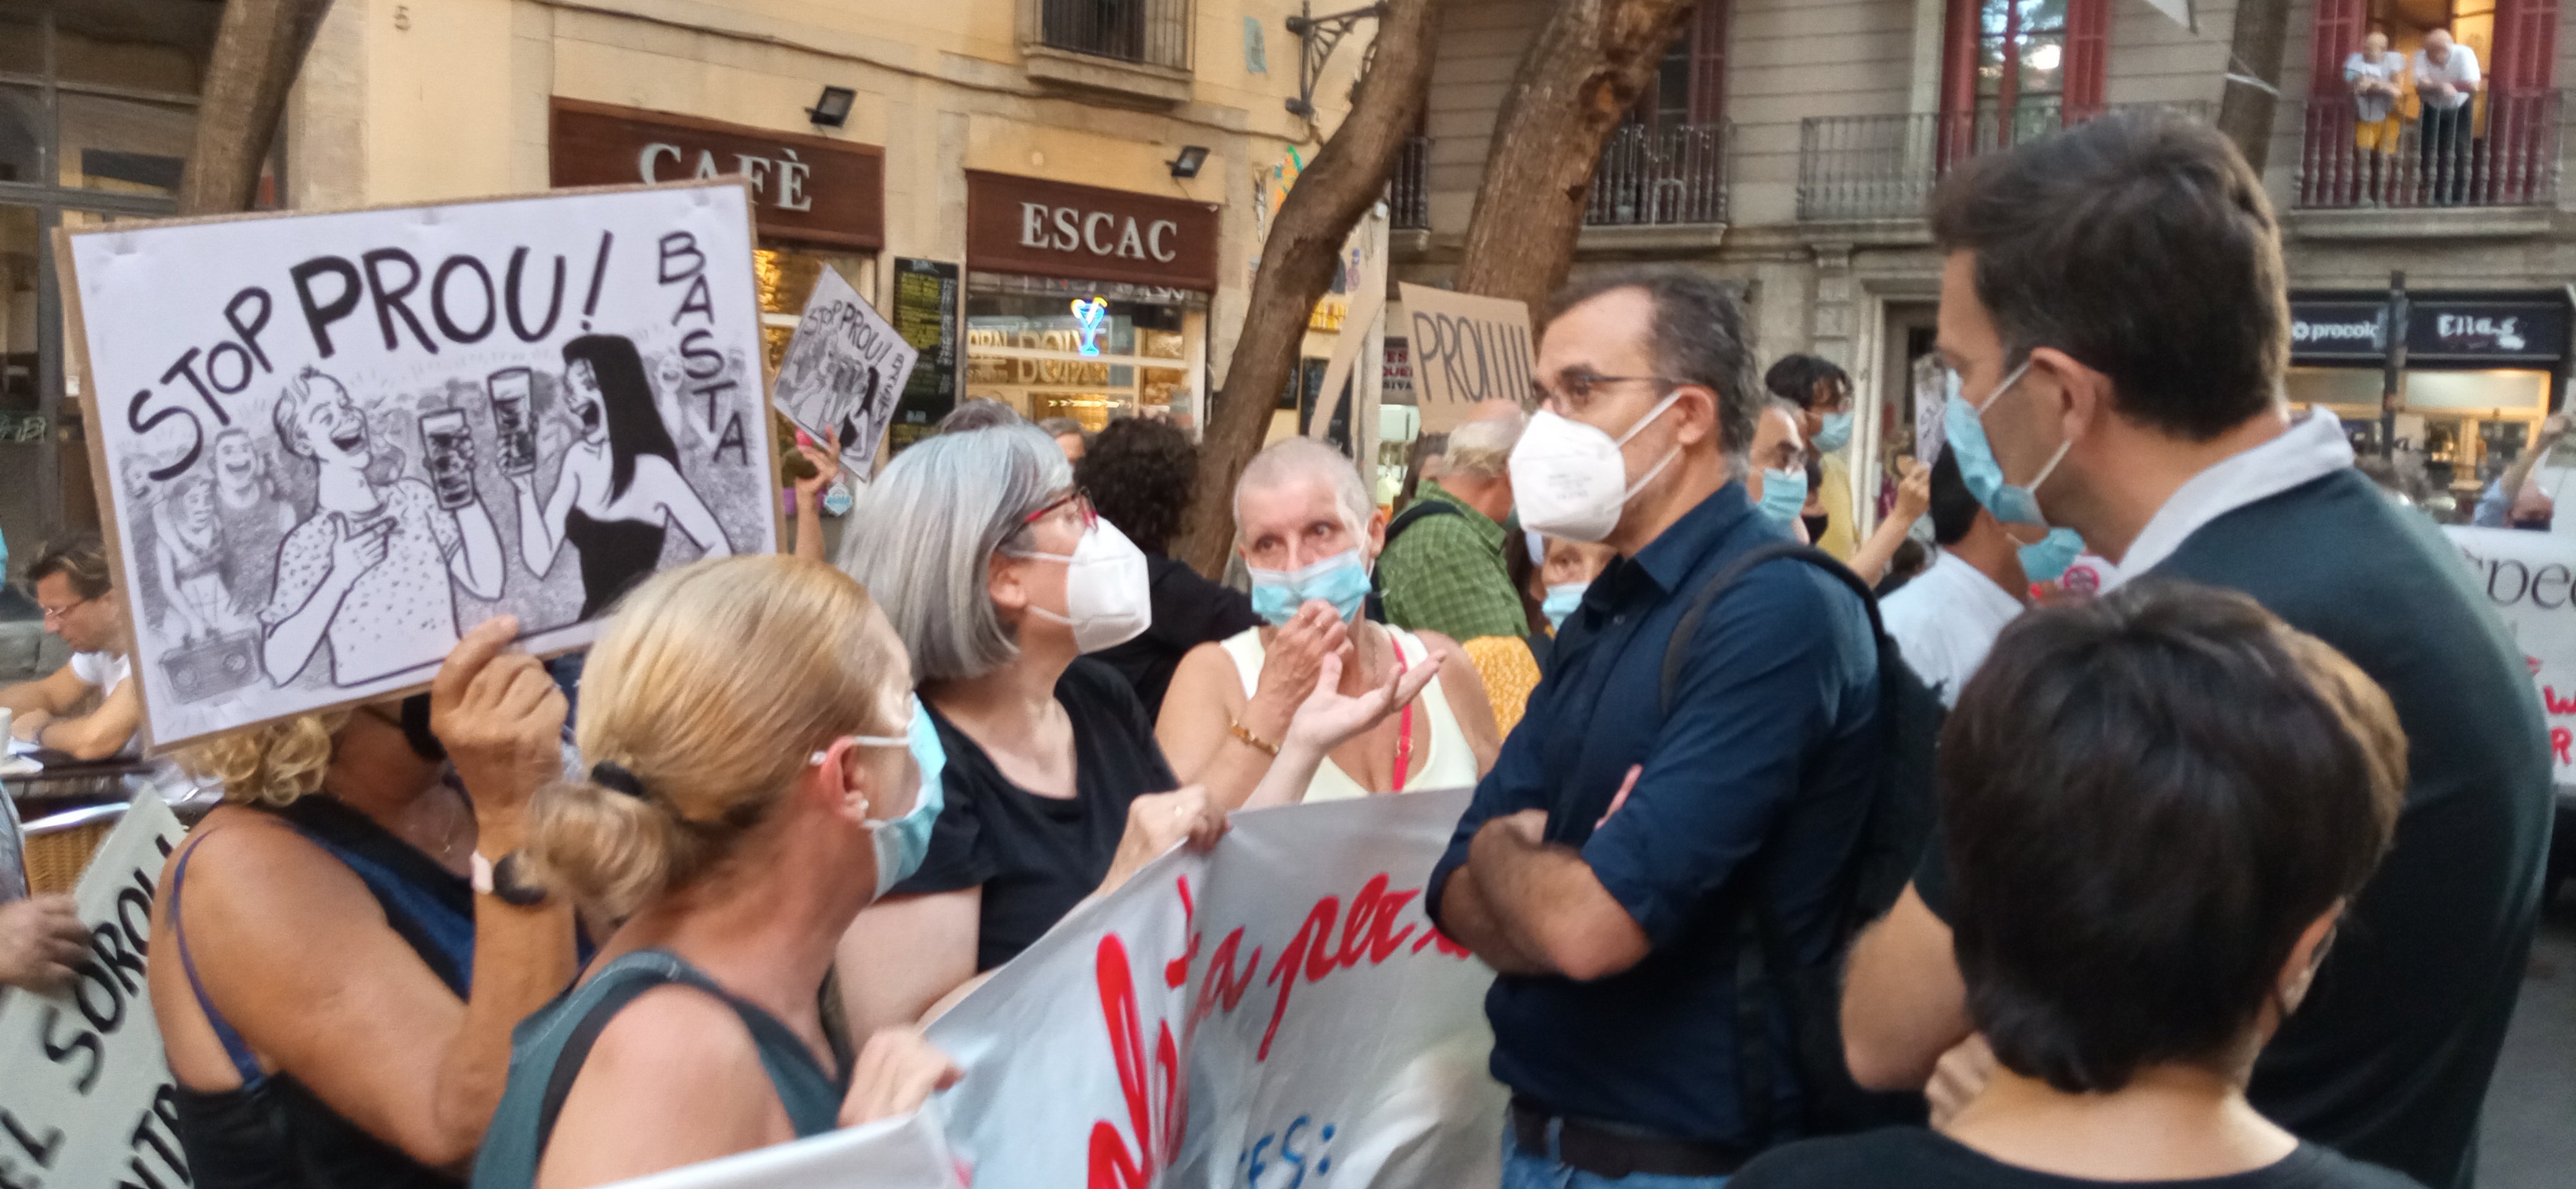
pixel 272 1131
pixel 615 555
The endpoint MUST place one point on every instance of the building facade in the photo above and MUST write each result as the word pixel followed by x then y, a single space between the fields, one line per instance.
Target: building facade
pixel 1073 192
pixel 1789 147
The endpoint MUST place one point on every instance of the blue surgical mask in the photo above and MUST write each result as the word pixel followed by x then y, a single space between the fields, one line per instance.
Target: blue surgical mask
pixel 2047 558
pixel 1834 434
pixel 902 843
pixel 1341 580
pixel 1561 601
pixel 1783 494
pixel 1966 428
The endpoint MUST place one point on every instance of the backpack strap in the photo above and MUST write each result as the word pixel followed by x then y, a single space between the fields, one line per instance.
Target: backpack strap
pixel 1415 512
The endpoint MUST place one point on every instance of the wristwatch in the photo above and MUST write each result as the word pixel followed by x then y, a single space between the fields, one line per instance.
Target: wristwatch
pixel 507 880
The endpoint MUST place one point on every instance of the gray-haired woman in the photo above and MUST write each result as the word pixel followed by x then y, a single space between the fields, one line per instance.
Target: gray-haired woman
pixel 998 576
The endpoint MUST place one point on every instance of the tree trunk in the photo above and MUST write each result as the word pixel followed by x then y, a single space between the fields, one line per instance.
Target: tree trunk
pixel 1297 264
pixel 259 48
pixel 2245 110
pixel 1584 72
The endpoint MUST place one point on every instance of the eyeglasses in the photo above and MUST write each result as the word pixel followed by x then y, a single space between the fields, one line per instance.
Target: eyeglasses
pixel 1576 388
pixel 1080 499
pixel 53 614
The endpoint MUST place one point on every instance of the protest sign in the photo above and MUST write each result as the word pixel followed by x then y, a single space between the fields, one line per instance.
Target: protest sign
pixel 2530 578
pixel 325 445
pixel 844 371
pixel 902 1153
pixel 1465 349
pixel 85 1092
pixel 1274 1010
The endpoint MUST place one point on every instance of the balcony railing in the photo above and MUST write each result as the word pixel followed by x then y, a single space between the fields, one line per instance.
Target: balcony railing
pixel 1884 167
pixel 1408 193
pixel 1660 177
pixel 1150 32
pixel 2504 151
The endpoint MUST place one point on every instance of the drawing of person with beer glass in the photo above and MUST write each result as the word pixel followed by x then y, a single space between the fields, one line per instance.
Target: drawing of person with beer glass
pixel 374 569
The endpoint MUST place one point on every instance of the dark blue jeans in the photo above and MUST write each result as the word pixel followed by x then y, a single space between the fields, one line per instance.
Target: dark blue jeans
pixel 1524 1169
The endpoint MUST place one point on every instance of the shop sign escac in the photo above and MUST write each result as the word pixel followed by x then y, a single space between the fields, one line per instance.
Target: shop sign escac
pixel 1099 233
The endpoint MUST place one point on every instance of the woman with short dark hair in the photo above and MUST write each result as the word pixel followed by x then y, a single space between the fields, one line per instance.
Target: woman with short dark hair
pixel 2156 807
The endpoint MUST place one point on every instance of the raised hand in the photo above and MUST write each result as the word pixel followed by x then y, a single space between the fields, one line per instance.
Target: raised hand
pixel 1328 716
pixel 1295 657
pixel 501 717
pixel 1913 490
pixel 826 461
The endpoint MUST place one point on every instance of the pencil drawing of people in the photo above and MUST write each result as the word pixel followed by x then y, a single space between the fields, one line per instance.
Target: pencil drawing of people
pixel 374 569
pixel 620 487
pixel 189 551
pixel 254 516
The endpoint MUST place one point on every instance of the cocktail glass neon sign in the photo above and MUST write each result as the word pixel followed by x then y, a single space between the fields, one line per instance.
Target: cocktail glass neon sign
pixel 1091 315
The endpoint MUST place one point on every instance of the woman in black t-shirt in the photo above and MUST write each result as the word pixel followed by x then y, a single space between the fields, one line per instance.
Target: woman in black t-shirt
pixel 998 576
pixel 2155 807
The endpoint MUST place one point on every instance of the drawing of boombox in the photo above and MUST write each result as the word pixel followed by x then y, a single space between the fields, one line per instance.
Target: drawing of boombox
pixel 220 665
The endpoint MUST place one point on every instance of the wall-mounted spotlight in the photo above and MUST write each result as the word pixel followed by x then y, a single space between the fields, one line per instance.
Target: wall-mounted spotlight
pixel 1187 164
pixel 833 109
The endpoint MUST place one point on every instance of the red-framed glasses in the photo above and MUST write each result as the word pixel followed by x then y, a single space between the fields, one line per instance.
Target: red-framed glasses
pixel 1080 499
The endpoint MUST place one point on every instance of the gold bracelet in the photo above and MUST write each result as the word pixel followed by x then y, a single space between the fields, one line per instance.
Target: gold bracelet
pixel 1255 740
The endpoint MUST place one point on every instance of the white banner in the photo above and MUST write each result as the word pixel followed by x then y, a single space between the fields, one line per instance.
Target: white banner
pixel 85 1097
pixel 2530 579
pixel 325 445
pixel 1273 1014
pixel 844 371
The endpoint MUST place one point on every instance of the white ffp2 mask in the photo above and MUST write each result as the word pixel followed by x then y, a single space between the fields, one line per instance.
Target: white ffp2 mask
pixel 1569 479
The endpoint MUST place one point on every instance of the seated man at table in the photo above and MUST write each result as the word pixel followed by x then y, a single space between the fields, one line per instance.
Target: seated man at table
pixel 88 708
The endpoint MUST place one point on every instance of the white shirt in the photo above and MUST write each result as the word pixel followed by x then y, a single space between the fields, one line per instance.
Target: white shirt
pixel 2389 68
pixel 102 671
pixel 2462 68
pixel 2311 450
pixel 1946 620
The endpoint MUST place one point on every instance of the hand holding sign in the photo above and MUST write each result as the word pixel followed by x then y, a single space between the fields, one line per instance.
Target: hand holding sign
pixel 41 940
pixel 501 718
pixel 896 1073
pixel 1157 822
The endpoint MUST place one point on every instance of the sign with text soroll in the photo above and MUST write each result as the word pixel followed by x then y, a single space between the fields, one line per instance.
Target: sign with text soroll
pixel 1273 1013
pixel 326 445
pixel 2530 579
pixel 844 372
pixel 1465 349
pixel 85 1092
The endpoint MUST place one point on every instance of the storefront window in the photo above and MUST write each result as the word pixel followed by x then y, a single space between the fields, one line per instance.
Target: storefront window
pixel 97 109
pixel 2467 425
pixel 1063 349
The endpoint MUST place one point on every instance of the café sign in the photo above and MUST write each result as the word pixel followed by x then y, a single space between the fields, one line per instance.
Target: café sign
pixel 805 189
pixel 1057 229
pixel 2438 330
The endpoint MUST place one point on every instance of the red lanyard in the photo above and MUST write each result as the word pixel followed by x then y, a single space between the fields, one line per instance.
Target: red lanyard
pixel 1404 722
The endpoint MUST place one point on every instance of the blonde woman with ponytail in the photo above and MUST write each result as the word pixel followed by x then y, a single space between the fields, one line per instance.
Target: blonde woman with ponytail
pixel 335 992
pixel 760 773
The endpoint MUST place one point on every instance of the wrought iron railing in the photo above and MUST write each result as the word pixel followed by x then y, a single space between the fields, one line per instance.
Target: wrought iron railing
pixel 2503 150
pixel 1151 32
pixel 1660 176
pixel 1408 193
pixel 1884 167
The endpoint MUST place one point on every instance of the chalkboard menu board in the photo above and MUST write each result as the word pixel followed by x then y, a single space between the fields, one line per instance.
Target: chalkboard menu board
pixel 925 314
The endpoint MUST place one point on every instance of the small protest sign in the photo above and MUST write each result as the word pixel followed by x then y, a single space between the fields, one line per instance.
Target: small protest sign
pixel 2529 579
pixel 86 1098
pixel 1465 349
pixel 327 444
pixel 844 372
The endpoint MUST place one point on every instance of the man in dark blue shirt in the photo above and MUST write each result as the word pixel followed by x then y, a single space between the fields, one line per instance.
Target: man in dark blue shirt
pixel 1608 859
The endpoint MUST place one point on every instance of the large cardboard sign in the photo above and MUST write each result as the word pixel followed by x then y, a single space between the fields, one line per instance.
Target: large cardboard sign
pixel 1465 349
pixel 326 445
pixel 85 1091
pixel 844 372
pixel 2530 578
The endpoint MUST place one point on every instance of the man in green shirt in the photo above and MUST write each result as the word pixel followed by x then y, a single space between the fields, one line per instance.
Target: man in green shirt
pixel 1442 569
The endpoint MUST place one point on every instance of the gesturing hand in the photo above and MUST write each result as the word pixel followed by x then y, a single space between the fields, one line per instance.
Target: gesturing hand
pixel 826 461
pixel 501 718
pixel 897 1071
pixel 1158 821
pixel 1913 491
pixel 1328 717
pixel 355 553
pixel 41 941
pixel 1295 656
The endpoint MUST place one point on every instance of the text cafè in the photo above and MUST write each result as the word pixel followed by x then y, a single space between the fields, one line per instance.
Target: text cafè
pixel 1086 302
pixel 816 201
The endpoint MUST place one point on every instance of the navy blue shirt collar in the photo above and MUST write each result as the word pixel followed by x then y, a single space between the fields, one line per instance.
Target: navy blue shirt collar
pixel 1668 560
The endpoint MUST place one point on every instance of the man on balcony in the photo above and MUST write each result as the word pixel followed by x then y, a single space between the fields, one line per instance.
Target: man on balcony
pixel 2446 78
pixel 2377 77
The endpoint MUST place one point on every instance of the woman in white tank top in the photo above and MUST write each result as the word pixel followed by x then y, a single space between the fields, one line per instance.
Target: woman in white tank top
pixel 1308 533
